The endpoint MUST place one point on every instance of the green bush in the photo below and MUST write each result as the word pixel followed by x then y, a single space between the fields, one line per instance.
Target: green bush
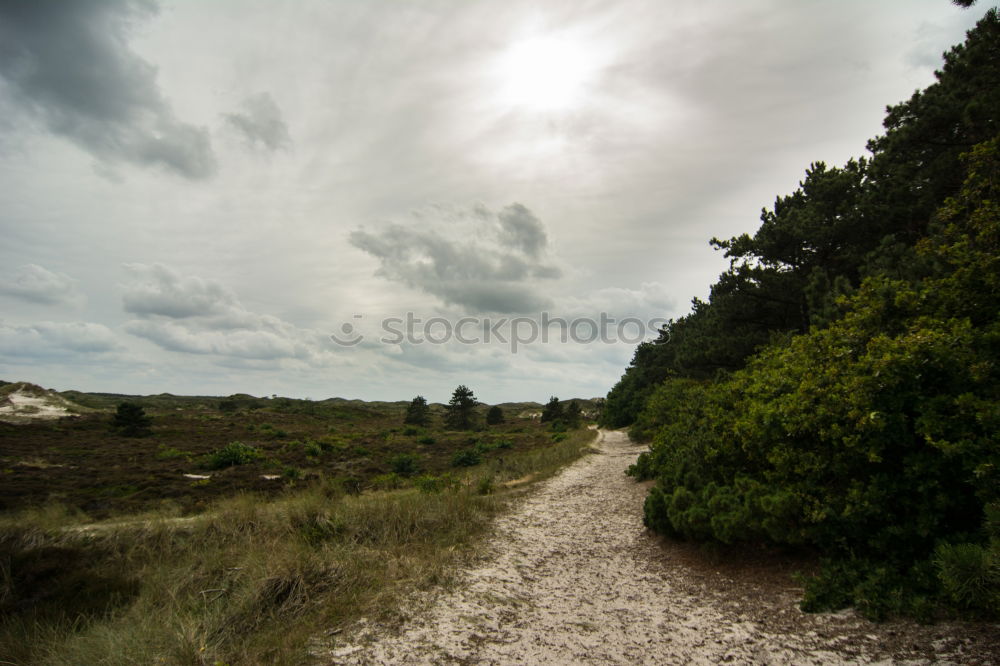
pixel 873 441
pixel 970 576
pixel 426 439
pixel 234 453
pixel 466 458
pixel 131 420
pixel 434 484
pixel 405 464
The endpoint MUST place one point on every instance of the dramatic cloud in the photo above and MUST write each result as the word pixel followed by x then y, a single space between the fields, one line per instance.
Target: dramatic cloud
pixel 261 122
pixel 666 124
pixel 474 258
pixel 48 339
pixel 70 63
pixel 197 316
pixel 35 284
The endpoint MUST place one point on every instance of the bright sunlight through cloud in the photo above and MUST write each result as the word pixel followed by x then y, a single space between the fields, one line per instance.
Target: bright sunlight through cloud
pixel 545 73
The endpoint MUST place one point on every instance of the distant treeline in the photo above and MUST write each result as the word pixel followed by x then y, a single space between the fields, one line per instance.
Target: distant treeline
pixel 839 389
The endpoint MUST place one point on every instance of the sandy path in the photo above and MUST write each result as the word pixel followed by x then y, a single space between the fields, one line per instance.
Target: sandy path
pixel 571 576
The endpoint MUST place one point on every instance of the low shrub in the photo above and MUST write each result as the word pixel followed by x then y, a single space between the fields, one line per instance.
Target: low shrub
pixel 405 464
pixel 466 458
pixel 234 453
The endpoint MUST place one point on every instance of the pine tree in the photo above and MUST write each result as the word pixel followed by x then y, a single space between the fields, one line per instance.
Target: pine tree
pixel 459 414
pixel 131 421
pixel 553 411
pixel 418 413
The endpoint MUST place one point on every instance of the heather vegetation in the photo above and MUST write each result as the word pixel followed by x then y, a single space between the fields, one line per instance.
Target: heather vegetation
pixel 237 531
pixel 838 391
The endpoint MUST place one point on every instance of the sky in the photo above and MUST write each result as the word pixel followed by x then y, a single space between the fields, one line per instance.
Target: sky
pixel 382 199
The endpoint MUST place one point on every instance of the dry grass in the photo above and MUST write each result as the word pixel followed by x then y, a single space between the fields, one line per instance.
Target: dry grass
pixel 250 581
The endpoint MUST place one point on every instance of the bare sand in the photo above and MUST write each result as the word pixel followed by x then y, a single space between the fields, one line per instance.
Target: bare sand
pixel 571 576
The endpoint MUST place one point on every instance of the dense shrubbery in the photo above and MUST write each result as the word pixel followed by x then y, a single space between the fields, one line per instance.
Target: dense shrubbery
pixel 858 413
pixel 234 453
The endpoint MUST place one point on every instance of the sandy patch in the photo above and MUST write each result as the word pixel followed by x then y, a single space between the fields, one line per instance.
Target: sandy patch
pixel 572 576
pixel 20 406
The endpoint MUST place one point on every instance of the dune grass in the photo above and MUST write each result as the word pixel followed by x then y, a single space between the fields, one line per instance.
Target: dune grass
pixel 248 582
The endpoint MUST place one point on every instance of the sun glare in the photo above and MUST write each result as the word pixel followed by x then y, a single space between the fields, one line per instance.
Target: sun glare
pixel 545 73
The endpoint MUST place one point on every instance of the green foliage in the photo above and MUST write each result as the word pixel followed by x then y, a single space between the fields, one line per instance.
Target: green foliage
pixel 553 411
pixel 170 453
pixel 130 420
pixel 494 416
pixel 435 484
pixel 405 464
pixel 573 415
pixel 460 409
pixel 234 453
pixel 466 458
pixel 873 440
pixel 418 412
pixel 485 485
pixel 426 439
pixel 970 576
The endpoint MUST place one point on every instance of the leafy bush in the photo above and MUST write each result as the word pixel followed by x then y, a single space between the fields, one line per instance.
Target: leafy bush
pixel 466 458
pixel 970 576
pixel 405 464
pixel 494 416
pixel 426 439
pixel 234 453
pixel 874 440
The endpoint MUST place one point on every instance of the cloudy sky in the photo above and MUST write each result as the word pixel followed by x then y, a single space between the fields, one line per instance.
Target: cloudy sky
pixel 221 197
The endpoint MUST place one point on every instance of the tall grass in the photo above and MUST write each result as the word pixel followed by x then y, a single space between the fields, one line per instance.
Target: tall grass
pixel 249 582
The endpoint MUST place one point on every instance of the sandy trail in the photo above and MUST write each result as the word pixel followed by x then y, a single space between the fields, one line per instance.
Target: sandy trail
pixel 571 576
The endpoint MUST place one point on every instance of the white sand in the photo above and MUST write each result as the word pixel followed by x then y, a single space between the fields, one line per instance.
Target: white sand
pixel 571 576
pixel 22 406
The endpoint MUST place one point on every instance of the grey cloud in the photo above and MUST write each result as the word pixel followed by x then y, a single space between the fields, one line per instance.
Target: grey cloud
pixel 35 284
pixel 485 261
pixel 249 344
pixel 193 315
pixel 70 63
pixel 158 290
pixel 47 339
pixel 261 122
pixel 521 229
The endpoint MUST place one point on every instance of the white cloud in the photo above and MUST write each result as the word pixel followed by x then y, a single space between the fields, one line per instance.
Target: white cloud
pixel 35 284
pixel 48 339
pixel 192 315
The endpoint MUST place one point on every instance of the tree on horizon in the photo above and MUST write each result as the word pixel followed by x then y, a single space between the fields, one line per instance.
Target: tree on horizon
pixel 417 413
pixel 459 412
